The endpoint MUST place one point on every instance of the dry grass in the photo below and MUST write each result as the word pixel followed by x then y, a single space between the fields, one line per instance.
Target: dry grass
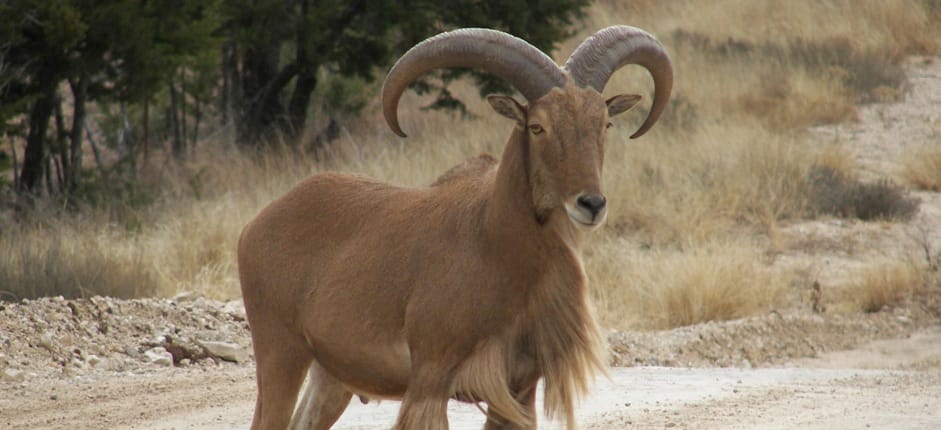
pixel 56 260
pixel 661 288
pixel 689 201
pixel 922 169
pixel 713 182
pixel 888 285
pixel 806 63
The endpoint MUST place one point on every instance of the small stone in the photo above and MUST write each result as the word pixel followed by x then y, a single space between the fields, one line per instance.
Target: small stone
pixel 235 309
pixel 98 362
pixel 45 341
pixel 12 375
pixel 185 296
pixel 159 356
pixel 131 351
pixel 224 350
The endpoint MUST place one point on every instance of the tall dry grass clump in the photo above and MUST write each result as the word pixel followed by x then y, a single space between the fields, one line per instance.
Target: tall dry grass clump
pixel 713 182
pixel 922 169
pixel 888 285
pixel 663 288
pixel 182 239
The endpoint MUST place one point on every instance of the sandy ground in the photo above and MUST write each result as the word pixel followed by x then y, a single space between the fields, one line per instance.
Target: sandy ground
pixel 884 384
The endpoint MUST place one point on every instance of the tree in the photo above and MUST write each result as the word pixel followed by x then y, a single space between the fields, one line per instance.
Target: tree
pixel 272 55
pixel 41 38
pixel 104 50
pixel 278 50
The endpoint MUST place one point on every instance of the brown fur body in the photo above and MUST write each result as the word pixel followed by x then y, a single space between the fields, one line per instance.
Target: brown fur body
pixel 471 288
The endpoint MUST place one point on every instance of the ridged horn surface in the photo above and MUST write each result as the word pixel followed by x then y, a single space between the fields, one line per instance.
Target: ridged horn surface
pixel 524 66
pixel 599 56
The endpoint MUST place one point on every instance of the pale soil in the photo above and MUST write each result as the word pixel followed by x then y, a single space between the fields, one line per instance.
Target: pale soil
pixel 84 364
pixel 880 385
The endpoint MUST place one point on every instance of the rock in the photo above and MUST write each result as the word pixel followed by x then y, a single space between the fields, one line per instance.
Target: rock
pixel 12 375
pixel 97 362
pixel 131 351
pixel 159 356
pixel 46 341
pixel 186 296
pixel 235 309
pixel 224 350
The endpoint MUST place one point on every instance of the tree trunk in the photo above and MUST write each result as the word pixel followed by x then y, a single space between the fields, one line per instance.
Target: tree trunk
pixel 231 88
pixel 197 116
pixel 47 174
pixel 181 99
pixel 127 142
pixel 176 142
pixel 145 143
pixel 34 159
pixel 259 108
pixel 94 150
pixel 16 163
pixel 304 84
pixel 80 92
pixel 59 147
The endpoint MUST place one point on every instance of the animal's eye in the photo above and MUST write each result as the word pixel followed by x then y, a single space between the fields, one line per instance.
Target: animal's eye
pixel 536 129
pixel 608 125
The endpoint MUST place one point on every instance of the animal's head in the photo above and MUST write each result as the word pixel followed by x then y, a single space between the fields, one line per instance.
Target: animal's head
pixel 563 125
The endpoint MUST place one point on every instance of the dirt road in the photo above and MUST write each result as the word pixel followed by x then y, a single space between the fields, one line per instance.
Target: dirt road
pixel 885 384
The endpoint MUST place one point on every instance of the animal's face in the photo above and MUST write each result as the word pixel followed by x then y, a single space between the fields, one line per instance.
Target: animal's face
pixel 565 131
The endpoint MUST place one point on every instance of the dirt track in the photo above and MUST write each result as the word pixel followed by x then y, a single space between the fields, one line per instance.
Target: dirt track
pixel 885 384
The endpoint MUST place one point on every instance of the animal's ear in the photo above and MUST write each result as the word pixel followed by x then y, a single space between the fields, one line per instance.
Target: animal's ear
pixel 621 103
pixel 508 107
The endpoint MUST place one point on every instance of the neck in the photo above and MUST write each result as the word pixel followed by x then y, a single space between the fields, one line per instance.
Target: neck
pixel 565 339
pixel 511 212
pixel 511 202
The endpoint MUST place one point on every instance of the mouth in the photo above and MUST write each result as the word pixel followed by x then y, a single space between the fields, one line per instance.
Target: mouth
pixel 583 217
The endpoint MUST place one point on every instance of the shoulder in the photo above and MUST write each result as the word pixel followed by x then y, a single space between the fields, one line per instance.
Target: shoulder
pixel 474 167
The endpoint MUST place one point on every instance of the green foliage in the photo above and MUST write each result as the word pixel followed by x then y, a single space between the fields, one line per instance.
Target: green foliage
pixel 105 50
pixel 282 47
pixel 343 96
pixel 161 59
pixel 543 23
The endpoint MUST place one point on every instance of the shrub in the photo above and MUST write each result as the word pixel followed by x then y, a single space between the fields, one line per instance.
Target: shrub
pixel 888 285
pixel 835 193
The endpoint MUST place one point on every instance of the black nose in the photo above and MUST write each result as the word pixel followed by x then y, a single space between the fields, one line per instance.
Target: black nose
pixel 594 203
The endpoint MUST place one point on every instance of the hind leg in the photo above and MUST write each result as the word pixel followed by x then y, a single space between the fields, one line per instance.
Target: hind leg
pixel 280 360
pixel 324 400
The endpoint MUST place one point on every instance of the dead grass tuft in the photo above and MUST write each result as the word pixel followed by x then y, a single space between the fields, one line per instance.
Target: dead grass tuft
pixel 55 261
pixel 658 289
pixel 922 169
pixel 888 285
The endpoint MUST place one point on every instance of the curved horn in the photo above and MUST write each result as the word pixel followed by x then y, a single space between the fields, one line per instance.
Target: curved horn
pixel 599 56
pixel 532 72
